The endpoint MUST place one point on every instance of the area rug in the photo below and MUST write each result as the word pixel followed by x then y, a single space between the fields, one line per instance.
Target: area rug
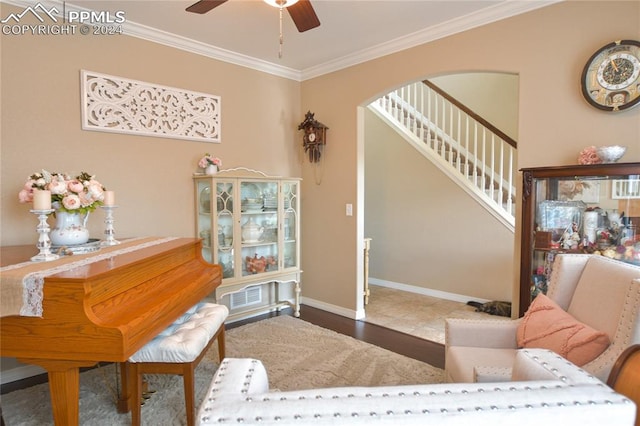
pixel 296 354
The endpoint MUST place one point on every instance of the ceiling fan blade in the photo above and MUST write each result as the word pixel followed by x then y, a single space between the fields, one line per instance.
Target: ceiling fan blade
pixel 303 15
pixel 203 6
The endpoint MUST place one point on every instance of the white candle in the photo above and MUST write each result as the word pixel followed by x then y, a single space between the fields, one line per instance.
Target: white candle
pixel 41 200
pixel 109 198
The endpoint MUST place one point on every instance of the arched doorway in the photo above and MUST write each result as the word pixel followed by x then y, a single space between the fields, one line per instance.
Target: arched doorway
pixel 429 237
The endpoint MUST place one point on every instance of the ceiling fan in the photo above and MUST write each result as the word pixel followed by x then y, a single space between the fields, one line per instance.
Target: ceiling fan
pixel 301 11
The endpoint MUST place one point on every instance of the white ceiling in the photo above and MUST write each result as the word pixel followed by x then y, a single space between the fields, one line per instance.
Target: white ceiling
pixel 351 31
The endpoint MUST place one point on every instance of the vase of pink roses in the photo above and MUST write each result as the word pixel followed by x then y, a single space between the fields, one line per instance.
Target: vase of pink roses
pixel 73 198
pixel 70 229
pixel 210 164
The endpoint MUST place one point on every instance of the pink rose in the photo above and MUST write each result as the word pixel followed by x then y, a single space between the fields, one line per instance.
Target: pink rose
pixel 75 186
pixel 26 195
pixel 71 202
pixel 94 188
pixel 209 159
pixel 29 185
pixel 57 186
pixel 589 156
pixel 85 199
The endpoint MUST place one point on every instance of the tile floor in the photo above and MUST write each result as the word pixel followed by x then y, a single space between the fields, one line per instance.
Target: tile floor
pixel 415 314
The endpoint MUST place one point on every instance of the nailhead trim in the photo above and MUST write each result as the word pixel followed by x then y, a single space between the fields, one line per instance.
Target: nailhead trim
pixel 266 398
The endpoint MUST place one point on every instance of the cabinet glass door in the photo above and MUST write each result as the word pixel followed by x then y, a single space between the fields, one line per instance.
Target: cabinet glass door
pixel 290 224
pixel 591 209
pixel 259 227
pixel 223 240
pixel 204 208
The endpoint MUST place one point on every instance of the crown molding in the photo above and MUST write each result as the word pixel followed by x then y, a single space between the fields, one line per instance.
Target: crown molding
pixel 199 48
pixel 486 16
pixel 495 13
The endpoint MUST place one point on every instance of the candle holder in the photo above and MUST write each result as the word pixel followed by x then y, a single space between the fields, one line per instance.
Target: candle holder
pixel 44 243
pixel 109 232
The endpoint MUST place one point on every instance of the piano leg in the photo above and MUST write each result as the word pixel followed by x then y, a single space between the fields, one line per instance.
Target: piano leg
pixel 64 386
pixel 124 399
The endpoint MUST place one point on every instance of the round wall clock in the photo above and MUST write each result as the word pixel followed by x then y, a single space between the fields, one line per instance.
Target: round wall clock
pixel 611 77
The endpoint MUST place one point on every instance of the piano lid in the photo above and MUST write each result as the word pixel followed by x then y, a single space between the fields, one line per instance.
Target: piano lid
pixel 107 309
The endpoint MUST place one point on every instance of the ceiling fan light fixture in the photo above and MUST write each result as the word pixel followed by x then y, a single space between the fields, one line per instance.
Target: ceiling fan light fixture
pixel 280 3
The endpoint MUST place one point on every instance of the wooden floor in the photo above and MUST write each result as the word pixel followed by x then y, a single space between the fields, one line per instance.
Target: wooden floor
pixel 395 341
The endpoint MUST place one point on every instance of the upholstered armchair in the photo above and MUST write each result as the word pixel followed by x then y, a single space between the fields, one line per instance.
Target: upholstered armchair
pixel 599 296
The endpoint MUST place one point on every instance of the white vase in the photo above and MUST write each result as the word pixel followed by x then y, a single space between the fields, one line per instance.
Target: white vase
pixel 211 169
pixel 590 225
pixel 70 229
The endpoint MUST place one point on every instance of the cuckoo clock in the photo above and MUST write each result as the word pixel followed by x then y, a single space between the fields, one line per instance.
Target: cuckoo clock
pixel 314 138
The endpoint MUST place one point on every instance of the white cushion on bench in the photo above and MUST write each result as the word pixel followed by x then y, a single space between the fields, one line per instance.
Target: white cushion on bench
pixel 185 339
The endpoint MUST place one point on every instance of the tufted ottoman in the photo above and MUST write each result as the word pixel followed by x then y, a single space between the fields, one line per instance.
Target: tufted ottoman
pixel 178 350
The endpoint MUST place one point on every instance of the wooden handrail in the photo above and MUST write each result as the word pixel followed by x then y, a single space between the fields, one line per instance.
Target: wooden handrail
pixel 472 114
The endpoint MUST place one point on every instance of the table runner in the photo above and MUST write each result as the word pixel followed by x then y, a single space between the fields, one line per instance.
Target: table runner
pixel 21 285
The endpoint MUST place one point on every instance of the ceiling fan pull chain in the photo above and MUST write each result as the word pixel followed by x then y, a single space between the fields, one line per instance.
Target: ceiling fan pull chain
pixel 281 35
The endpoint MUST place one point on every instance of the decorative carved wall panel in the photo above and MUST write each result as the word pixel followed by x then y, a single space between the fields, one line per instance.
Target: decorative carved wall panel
pixel 120 105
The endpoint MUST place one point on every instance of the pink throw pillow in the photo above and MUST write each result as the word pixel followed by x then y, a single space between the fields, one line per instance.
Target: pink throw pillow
pixel 546 325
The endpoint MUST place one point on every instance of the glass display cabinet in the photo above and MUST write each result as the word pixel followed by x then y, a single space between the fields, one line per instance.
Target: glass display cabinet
pixel 250 225
pixel 576 209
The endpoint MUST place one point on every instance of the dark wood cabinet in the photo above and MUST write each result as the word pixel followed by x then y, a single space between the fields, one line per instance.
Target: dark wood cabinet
pixel 577 209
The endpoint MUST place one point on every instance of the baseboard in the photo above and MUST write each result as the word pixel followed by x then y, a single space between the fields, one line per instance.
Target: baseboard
pixel 425 291
pixel 334 309
pixel 20 373
pixel 360 314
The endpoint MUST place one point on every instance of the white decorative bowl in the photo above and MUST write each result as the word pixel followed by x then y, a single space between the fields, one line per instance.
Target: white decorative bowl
pixel 611 154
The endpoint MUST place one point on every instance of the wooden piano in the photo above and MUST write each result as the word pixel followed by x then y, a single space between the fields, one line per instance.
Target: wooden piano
pixel 105 311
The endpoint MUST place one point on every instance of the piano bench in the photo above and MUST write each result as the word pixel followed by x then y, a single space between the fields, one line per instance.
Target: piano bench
pixel 178 350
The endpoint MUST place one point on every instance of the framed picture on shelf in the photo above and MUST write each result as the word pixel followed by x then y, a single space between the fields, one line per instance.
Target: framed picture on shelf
pixel 559 217
pixel 579 190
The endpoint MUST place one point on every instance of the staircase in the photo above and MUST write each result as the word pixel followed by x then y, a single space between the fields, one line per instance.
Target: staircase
pixel 473 153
